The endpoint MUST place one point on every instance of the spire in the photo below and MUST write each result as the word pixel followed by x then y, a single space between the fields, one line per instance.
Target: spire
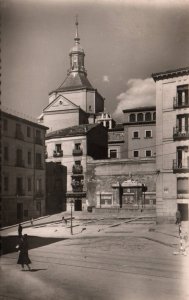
pixel 77 39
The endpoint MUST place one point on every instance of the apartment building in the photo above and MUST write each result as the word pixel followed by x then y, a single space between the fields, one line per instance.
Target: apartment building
pixel 23 169
pixel 172 143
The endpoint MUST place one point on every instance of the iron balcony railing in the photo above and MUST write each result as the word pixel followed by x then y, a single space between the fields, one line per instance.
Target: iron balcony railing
pixel 20 164
pixel 179 165
pixel 178 103
pixel 77 152
pixel 181 132
pixel 58 153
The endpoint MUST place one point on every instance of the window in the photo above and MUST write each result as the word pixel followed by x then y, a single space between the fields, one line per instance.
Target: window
pixel 58 147
pixel 19 186
pixel 148 134
pixel 38 160
pixel 6 153
pixel 135 153
pixel 148 116
pixel 183 185
pixel 29 158
pixel 38 133
pixel 28 131
pixel 140 117
pixel 135 135
pixel 148 153
pixel 132 118
pixel 78 162
pixel 78 146
pixel 154 116
pixel 113 153
pixel 183 95
pixel 38 185
pixel 29 184
pixel 5 124
pixel 6 183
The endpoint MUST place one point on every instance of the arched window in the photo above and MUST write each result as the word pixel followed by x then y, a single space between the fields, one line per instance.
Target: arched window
pixel 140 117
pixel 154 116
pixel 132 118
pixel 148 116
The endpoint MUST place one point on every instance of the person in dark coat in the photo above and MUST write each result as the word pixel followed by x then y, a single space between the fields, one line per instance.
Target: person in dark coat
pixel 23 258
pixel 19 230
pixel 178 217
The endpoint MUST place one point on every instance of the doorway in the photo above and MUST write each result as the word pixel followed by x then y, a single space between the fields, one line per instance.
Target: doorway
pixel 183 208
pixel 78 205
pixel 20 212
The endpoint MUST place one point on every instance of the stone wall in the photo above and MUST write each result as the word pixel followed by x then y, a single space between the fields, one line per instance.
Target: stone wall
pixel 101 174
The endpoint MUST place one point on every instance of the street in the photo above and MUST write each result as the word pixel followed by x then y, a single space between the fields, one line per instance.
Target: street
pixel 109 266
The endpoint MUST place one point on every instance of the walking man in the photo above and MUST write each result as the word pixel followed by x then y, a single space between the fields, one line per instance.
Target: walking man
pixel 178 217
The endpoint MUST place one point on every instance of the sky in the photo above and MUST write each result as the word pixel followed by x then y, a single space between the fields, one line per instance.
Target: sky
pixel 125 41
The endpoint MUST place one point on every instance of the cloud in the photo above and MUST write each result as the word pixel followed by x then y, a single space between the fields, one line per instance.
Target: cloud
pixel 139 93
pixel 105 78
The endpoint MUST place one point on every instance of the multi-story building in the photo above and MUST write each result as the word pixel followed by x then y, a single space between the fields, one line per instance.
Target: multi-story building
pixel 73 147
pixel 23 169
pixel 172 143
pixel 139 132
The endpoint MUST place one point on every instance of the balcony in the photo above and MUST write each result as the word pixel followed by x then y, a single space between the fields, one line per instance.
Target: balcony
pixel 38 140
pixel 77 169
pixel 181 133
pixel 178 103
pixel 58 153
pixel 180 166
pixel 77 186
pixel 20 192
pixel 39 194
pixel 19 135
pixel 77 152
pixel 20 164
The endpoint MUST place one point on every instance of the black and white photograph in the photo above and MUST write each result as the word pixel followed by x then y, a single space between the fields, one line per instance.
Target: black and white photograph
pixel 94 150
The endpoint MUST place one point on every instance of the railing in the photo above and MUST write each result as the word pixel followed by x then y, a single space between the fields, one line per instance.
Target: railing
pixel 39 194
pixel 180 132
pixel 58 153
pixel 77 152
pixel 20 192
pixel 77 188
pixel 19 135
pixel 77 169
pixel 180 166
pixel 20 163
pixel 177 103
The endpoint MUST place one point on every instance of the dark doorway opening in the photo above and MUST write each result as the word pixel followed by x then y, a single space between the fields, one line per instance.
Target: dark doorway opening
pixel 183 208
pixel 20 212
pixel 78 205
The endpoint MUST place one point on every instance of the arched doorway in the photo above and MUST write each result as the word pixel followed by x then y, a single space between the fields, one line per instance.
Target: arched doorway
pixel 78 205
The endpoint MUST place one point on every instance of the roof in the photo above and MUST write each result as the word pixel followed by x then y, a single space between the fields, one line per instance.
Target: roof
pixel 75 81
pixel 170 73
pixel 118 127
pixel 137 109
pixel 78 130
pixel 24 120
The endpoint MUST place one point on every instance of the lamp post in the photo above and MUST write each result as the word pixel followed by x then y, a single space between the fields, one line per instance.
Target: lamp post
pixel 71 202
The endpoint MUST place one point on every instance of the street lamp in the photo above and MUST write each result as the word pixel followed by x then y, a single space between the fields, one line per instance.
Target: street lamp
pixel 71 202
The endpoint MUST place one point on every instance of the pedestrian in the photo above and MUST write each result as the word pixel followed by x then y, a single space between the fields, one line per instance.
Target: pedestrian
pixel 31 221
pixel 64 221
pixel 19 230
pixel 178 217
pixel 23 258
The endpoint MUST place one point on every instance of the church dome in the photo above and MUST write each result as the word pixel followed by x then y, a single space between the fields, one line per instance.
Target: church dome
pixel 76 48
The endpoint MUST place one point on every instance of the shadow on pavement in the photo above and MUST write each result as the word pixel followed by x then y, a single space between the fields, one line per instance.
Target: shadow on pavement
pixel 8 243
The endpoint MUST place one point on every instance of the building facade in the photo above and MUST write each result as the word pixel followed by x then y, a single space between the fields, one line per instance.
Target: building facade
pixel 23 169
pixel 140 132
pixel 172 143
pixel 73 147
